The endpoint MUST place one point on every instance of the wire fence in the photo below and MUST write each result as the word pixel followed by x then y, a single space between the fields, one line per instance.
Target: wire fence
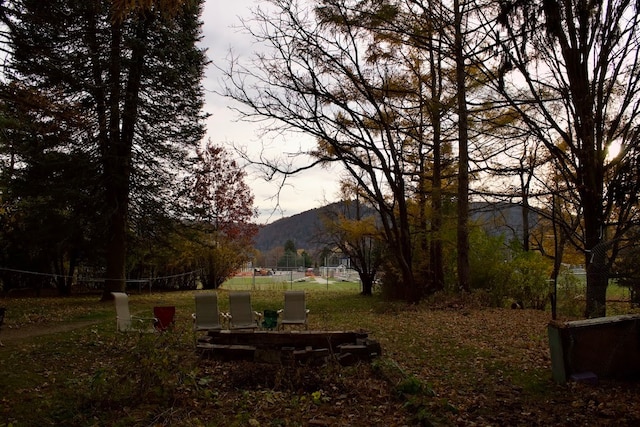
pixel 329 279
pixel 16 282
pixel 24 283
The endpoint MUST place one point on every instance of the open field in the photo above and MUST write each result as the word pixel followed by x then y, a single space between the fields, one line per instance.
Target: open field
pixel 290 281
pixel 446 362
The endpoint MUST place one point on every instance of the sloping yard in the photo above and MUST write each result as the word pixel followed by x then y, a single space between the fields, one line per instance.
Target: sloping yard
pixel 442 364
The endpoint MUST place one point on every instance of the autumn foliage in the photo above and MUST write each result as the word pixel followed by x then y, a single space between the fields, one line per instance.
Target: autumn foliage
pixel 223 207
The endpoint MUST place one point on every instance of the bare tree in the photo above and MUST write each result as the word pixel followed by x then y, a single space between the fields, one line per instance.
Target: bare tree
pixel 328 77
pixel 571 70
pixel 352 228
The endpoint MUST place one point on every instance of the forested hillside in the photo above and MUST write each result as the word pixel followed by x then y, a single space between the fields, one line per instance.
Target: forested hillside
pixel 305 228
pixel 301 229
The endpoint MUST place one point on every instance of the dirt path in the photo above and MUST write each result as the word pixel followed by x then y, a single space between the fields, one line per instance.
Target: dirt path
pixel 11 335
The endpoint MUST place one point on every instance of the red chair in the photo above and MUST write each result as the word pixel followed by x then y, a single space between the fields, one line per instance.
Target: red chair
pixel 164 317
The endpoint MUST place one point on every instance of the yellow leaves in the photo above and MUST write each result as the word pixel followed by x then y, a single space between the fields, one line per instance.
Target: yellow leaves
pixel 358 227
pixel 497 119
pixel 325 149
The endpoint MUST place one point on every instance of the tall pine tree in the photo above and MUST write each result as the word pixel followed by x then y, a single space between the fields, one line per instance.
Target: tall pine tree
pixel 135 82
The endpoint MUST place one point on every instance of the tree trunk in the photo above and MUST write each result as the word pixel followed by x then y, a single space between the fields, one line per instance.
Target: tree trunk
pixel 64 279
pixel 412 291
pixel 597 281
pixel 117 164
pixel 116 215
pixel 525 220
pixel 115 280
pixel 436 261
pixel 367 284
pixel 463 161
pixel 594 223
pixel 436 264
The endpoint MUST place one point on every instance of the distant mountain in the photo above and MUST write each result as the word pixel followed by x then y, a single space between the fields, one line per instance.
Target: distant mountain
pixel 302 229
pixel 501 218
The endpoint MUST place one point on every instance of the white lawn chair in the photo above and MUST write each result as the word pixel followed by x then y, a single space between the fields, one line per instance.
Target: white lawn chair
pixel 125 322
pixel 295 311
pixel 207 316
pixel 241 315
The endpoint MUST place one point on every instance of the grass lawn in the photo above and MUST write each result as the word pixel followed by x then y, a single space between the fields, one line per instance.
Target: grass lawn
pixel 287 282
pixel 443 363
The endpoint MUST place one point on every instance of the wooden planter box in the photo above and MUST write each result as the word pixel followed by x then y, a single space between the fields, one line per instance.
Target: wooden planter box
pixel 604 347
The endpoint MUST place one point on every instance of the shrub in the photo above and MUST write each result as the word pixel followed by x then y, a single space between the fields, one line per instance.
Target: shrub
pixel 488 266
pixel 570 294
pixel 507 273
pixel 529 275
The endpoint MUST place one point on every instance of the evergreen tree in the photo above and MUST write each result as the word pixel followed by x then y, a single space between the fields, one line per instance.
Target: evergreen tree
pixel 135 84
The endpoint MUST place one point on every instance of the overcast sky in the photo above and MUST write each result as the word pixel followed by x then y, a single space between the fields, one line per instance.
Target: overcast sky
pixel 304 192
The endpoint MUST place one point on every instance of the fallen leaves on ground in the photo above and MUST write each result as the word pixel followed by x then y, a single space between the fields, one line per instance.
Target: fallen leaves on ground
pixel 459 365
